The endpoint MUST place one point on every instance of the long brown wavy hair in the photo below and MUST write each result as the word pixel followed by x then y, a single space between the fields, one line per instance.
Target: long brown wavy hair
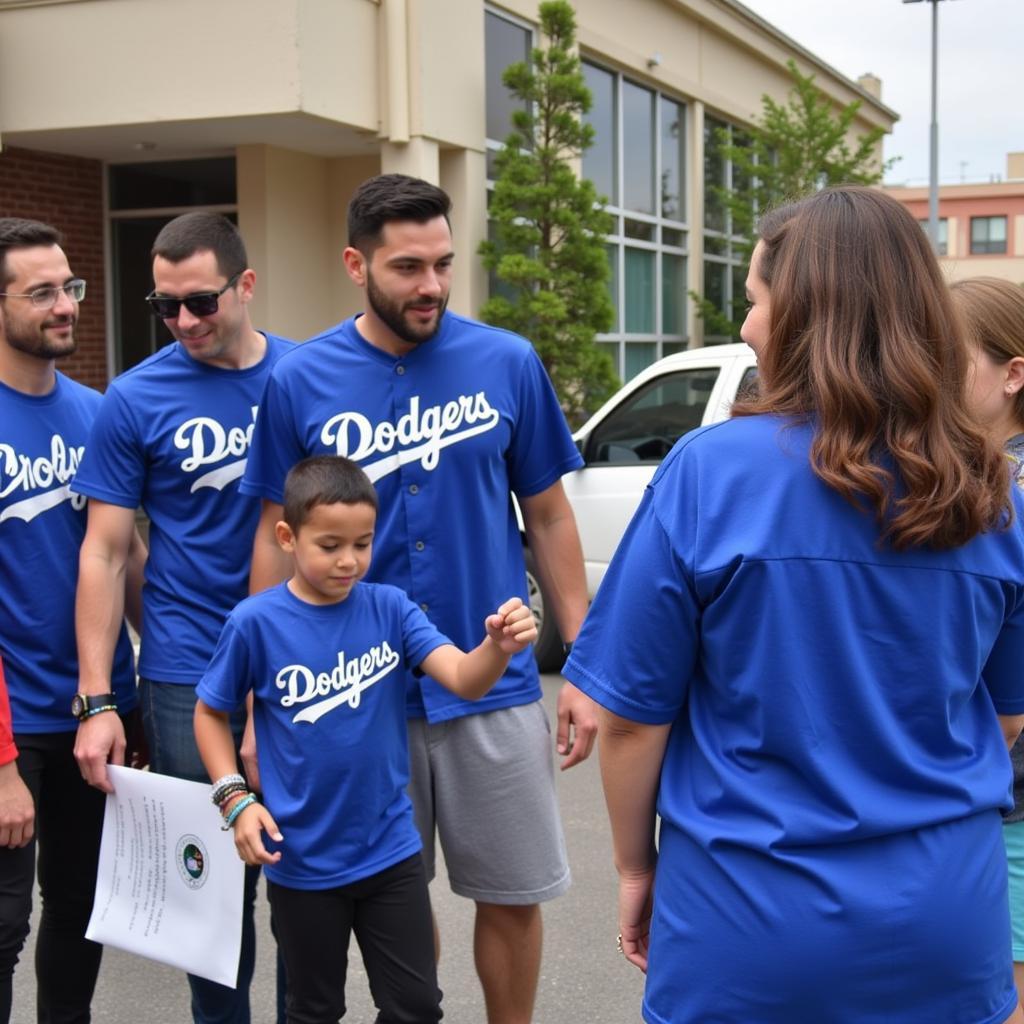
pixel 865 344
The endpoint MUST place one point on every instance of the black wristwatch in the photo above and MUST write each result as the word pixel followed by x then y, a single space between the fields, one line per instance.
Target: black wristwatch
pixel 83 705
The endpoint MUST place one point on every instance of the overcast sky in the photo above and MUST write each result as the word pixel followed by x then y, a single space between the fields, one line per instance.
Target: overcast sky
pixel 981 74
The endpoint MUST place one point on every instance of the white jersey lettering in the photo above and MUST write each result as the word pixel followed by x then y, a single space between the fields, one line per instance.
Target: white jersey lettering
pixel 208 443
pixel 421 434
pixel 19 472
pixel 344 684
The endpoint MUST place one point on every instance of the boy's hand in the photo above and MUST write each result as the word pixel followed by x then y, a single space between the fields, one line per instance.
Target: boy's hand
pixel 513 627
pixel 249 826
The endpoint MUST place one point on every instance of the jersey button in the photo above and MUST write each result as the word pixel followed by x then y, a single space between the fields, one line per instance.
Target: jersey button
pixel 400 370
pixel 420 545
pixel 413 489
pixel 425 607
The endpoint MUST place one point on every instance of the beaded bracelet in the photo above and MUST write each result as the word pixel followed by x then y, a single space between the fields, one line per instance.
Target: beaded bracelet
pixel 96 711
pixel 236 811
pixel 222 783
pixel 228 791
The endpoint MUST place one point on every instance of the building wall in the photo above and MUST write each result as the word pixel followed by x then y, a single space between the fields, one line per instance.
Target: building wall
pixel 67 192
pixel 312 96
pixel 958 204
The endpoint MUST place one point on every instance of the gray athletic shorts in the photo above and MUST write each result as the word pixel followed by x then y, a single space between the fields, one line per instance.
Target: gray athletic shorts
pixel 487 784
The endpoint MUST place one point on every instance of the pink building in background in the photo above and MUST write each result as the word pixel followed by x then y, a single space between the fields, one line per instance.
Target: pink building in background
pixel 981 226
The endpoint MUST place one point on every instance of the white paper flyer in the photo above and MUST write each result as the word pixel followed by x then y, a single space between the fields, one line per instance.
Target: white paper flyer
pixel 169 885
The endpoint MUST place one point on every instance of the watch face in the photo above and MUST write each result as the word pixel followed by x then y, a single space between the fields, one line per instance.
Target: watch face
pixel 78 705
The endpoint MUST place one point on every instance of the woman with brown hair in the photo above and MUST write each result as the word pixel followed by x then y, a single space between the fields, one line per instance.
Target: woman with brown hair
pixel 993 314
pixel 808 649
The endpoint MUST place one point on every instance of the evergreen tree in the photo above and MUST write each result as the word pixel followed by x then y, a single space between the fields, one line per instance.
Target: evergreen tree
pixel 547 249
pixel 792 149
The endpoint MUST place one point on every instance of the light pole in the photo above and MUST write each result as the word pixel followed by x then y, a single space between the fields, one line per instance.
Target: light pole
pixel 933 172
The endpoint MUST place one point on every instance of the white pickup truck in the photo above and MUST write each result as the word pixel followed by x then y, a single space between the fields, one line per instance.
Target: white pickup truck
pixel 622 445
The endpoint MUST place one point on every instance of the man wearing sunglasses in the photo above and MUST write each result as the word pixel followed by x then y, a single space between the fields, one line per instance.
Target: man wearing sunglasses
pixel 172 437
pixel 45 418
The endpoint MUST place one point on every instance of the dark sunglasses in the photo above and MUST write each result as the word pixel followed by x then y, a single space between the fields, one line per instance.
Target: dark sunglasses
pixel 198 303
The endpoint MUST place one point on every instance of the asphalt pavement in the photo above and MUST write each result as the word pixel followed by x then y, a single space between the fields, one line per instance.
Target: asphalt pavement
pixel 583 979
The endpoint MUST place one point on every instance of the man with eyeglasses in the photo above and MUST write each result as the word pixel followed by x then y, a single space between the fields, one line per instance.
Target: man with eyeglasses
pixel 45 419
pixel 173 436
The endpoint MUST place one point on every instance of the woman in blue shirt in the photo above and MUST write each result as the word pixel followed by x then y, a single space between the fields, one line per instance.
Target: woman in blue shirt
pixel 808 647
pixel 993 313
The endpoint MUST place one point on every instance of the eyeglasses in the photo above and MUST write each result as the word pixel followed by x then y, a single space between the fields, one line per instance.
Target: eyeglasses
pixel 46 298
pixel 198 303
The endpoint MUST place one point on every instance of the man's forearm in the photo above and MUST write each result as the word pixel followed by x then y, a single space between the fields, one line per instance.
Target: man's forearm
pixel 99 613
pixel 559 559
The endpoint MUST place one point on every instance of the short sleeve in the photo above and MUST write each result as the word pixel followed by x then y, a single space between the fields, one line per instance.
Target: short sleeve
pixel 113 468
pixel 229 675
pixel 1003 674
pixel 542 449
pixel 639 644
pixel 419 635
pixel 276 444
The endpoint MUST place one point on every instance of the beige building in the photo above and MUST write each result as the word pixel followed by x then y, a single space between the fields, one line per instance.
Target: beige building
pixel 981 226
pixel 116 115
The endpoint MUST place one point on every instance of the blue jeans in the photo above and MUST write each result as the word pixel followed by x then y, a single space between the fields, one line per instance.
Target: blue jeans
pixel 167 710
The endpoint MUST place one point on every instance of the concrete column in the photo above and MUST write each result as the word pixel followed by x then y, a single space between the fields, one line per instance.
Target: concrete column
pixel 418 157
pixel 695 217
pixel 463 177
pixel 344 177
pixel 282 207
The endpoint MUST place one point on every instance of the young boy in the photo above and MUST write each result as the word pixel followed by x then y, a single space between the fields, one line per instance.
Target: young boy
pixel 322 658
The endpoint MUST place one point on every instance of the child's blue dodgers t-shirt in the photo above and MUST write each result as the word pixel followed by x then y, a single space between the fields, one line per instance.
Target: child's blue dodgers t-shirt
pixel 328 683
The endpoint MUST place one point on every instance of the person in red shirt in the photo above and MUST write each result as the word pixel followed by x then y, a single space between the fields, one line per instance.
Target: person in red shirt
pixel 17 815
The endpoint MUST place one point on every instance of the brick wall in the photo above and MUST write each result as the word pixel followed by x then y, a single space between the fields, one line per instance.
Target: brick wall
pixel 67 192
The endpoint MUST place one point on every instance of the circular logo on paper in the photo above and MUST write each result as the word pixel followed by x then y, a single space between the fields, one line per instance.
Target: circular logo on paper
pixel 192 861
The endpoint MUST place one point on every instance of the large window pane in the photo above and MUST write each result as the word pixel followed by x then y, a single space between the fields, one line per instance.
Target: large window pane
pixel 714 175
pixel 599 160
pixel 505 44
pixel 673 294
pixel 639 355
pixel 673 160
pixel 638 148
pixel 715 275
pixel 613 285
pixel 639 291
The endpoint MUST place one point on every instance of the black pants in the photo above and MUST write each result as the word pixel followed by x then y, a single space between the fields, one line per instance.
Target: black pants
pixel 69 822
pixel 390 915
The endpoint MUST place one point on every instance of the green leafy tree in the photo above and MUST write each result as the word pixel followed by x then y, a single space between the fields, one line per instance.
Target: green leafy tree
pixel 792 149
pixel 547 246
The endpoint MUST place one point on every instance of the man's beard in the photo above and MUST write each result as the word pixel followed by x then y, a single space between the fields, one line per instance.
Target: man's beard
pixel 34 341
pixel 392 314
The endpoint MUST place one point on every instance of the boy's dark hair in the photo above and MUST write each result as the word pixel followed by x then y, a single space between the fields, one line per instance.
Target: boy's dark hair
pixel 391 197
pixel 324 480
pixel 19 233
pixel 199 231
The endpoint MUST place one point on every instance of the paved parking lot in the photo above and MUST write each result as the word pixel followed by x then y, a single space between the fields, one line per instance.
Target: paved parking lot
pixel 583 979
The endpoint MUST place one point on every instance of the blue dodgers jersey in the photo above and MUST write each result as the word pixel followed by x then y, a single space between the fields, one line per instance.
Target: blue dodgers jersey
pixel 835 761
pixel 446 433
pixel 42 524
pixel 329 710
pixel 173 436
